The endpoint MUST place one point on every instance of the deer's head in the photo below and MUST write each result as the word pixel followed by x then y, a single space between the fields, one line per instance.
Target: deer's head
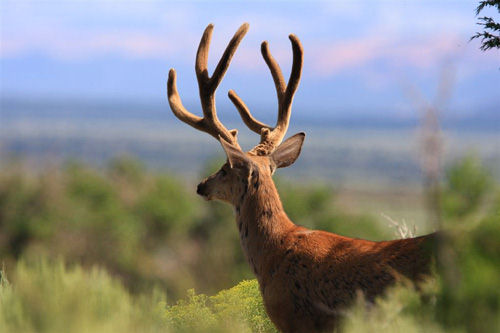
pixel 232 180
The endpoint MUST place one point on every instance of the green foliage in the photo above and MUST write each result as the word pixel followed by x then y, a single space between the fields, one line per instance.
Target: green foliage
pixel 25 212
pixel 466 184
pixel 239 309
pixel 314 207
pixel 402 309
pixel 490 37
pixel 120 217
pixel 165 208
pixel 472 299
pixel 47 296
pixel 243 304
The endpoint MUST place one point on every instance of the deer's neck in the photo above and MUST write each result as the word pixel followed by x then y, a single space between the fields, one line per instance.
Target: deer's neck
pixel 261 220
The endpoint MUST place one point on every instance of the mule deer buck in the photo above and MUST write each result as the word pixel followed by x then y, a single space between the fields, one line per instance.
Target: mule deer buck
pixel 306 277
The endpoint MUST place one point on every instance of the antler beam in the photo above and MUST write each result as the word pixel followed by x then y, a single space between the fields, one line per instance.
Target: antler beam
pixel 209 123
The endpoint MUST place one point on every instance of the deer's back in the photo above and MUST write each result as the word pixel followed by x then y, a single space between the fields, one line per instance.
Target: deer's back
pixel 316 274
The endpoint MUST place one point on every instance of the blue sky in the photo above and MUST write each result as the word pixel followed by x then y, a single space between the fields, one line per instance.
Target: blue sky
pixel 360 56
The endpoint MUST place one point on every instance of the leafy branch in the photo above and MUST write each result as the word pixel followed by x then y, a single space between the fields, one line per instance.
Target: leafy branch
pixel 490 36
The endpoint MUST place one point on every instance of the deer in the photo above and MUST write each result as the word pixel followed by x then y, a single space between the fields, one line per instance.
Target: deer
pixel 307 278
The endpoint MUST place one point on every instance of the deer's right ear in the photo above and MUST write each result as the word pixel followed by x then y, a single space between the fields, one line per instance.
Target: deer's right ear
pixel 288 151
pixel 235 157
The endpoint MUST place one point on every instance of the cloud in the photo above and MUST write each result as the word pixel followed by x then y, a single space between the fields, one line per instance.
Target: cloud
pixel 64 47
pixel 80 30
pixel 338 56
pixel 336 37
pixel 425 52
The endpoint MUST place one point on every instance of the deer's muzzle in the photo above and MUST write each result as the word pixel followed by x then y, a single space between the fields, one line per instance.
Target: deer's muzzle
pixel 202 189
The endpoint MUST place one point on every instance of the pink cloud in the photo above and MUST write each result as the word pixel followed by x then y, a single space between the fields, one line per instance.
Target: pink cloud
pixel 81 45
pixel 329 59
pixel 338 56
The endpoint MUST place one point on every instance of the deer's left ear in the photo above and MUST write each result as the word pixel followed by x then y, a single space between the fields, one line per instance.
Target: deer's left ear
pixel 288 151
pixel 235 156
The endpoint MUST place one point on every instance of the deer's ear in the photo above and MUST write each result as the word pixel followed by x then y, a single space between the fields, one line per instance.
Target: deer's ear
pixel 288 151
pixel 235 157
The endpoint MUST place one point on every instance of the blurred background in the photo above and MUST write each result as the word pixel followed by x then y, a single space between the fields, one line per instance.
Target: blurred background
pixel 96 169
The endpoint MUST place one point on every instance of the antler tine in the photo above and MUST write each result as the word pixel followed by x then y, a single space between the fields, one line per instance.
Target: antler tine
pixel 272 137
pixel 293 81
pixel 252 123
pixel 207 87
pixel 176 104
pixel 275 69
pixel 202 55
pixel 223 64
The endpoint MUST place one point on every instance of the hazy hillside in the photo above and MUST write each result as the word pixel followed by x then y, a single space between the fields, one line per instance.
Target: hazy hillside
pixel 354 150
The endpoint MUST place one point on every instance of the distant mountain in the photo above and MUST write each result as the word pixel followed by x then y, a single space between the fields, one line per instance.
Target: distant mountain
pixel 487 118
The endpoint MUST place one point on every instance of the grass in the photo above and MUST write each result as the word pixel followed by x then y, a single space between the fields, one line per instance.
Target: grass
pixel 51 297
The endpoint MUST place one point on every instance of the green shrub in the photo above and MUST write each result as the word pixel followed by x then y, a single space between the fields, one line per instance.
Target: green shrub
pixel 239 309
pixel 466 184
pixel 47 296
pixel 313 206
pixel 401 309
pixel 471 300
pixel 120 217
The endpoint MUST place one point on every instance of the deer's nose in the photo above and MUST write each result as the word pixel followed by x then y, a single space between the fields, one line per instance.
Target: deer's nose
pixel 201 188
